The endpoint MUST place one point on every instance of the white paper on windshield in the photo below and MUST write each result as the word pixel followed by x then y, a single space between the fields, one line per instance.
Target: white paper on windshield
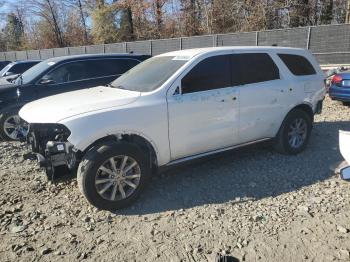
pixel 182 57
pixel 51 63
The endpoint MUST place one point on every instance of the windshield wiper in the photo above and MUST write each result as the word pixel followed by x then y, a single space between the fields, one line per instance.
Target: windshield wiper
pixel 120 87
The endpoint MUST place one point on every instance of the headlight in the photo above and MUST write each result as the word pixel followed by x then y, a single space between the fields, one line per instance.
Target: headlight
pixel 54 132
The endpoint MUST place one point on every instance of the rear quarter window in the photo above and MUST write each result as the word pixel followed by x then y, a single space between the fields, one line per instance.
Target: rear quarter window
pixel 298 64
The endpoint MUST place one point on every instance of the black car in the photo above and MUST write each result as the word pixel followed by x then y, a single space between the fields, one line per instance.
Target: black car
pixel 54 76
pixel 3 64
pixel 17 67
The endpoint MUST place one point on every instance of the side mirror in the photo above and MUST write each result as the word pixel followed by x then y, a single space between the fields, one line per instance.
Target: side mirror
pixel 345 173
pixel 46 81
pixel 8 73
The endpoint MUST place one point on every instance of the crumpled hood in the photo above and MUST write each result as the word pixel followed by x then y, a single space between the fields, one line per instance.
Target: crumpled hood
pixel 58 107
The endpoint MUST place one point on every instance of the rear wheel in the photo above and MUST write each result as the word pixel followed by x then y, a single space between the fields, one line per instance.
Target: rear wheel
pixel 294 133
pixel 113 175
pixel 12 127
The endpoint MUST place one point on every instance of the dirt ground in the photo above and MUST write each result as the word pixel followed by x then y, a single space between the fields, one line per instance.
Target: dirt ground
pixel 253 204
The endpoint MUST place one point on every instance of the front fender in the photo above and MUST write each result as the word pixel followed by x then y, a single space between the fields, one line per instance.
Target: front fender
pixel 149 122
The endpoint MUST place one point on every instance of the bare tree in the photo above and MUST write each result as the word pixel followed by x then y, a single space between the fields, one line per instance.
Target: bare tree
pixel 47 10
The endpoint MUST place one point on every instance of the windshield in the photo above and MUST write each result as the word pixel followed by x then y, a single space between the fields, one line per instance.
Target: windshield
pixel 4 70
pixel 149 75
pixel 34 71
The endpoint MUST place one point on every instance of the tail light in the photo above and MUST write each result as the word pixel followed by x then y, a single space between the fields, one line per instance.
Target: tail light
pixel 337 79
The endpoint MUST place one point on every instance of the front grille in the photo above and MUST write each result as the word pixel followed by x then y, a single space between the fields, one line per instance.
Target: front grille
pixel 40 134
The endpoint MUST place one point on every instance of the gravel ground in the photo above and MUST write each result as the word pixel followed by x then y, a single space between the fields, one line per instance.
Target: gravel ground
pixel 253 204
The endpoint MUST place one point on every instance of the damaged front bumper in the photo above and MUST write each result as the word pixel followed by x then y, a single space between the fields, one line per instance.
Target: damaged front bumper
pixel 49 144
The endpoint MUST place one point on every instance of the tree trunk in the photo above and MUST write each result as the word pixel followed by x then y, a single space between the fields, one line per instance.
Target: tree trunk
pixel 159 16
pixel 83 21
pixel 57 30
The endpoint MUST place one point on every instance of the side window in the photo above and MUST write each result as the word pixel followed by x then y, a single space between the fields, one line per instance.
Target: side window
pixel 132 63
pixel 107 67
pixel 120 66
pixel 211 73
pixel 17 69
pixel 68 72
pixel 298 64
pixel 252 68
pixel 26 66
pixel 21 67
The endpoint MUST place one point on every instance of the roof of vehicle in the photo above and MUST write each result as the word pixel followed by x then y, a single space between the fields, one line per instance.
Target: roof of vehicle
pixel 86 56
pixel 197 51
pixel 25 61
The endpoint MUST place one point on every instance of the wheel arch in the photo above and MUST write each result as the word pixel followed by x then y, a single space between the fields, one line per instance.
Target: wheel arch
pixel 304 107
pixel 144 143
pixel 307 108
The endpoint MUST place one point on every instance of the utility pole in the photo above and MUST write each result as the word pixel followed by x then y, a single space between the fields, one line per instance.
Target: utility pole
pixel 347 18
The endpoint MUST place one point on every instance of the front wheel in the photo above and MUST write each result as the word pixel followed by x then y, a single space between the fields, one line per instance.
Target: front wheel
pixel 112 176
pixel 294 134
pixel 12 127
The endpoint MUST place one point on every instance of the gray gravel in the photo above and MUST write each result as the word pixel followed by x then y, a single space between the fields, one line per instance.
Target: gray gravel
pixel 253 204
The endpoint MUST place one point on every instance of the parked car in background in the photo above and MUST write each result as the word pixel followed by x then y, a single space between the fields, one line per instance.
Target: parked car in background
pixel 173 108
pixel 18 67
pixel 331 72
pixel 3 64
pixel 340 87
pixel 54 76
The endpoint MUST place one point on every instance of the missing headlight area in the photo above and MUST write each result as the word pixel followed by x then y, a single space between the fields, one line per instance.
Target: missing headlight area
pixel 49 143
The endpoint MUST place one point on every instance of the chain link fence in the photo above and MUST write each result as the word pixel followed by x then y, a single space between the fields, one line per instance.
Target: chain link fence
pixel 330 44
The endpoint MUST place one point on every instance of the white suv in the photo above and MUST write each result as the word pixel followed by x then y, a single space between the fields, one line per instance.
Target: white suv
pixel 172 108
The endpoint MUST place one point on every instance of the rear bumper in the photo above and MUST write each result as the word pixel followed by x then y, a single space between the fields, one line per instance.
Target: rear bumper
pixel 339 93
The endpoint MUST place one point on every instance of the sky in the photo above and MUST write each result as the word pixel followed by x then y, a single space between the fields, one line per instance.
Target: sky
pixel 4 9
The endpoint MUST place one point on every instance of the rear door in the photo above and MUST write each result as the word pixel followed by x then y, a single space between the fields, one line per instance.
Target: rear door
pixel 263 95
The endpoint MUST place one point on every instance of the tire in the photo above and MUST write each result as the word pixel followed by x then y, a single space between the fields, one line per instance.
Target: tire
pixel 20 127
pixel 99 157
pixel 346 103
pixel 284 142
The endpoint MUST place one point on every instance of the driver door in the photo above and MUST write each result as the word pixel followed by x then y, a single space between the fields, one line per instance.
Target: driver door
pixel 204 116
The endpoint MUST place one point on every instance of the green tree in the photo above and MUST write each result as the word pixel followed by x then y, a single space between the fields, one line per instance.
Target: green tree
pixel 13 32
pixel 126 30
pixel 104 28
pixel 327 12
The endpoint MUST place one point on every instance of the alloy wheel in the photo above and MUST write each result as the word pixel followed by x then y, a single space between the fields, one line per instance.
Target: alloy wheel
pixel 15 128
pixel 297 133
pixel 117 178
